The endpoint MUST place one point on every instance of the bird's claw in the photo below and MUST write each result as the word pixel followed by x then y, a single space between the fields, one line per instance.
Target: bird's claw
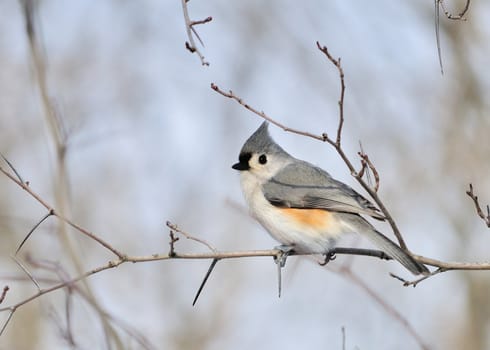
pixel 329 256
pixel 280 259
pixel 283 252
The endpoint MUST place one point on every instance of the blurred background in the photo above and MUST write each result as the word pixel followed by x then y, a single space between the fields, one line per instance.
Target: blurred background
pixel 147 141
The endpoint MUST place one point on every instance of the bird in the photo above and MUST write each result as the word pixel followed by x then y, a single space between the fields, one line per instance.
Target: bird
pixel 302 206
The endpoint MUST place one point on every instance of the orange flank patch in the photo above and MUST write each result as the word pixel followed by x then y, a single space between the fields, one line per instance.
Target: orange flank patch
pixel 314 218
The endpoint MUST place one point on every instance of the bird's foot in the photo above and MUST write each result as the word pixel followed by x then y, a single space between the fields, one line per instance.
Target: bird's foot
pixel 282 255
pixel 280 259
pixel 329 256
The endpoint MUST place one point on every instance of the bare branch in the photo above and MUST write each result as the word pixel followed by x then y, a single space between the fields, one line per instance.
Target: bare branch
pixel 189 27
pixel 216 255
pixel 336 63
pixel 338 147
pixel 479 211
pixel 51 211
pixel 231 95
pixel 13 169
pixel 69 283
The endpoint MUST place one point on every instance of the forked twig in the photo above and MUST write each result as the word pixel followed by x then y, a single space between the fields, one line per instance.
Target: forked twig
pixel 366 163
pixel 189 236
pixel 479 211
pixel 189 27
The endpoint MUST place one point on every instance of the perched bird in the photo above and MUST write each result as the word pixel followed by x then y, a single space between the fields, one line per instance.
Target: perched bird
pixel 302 206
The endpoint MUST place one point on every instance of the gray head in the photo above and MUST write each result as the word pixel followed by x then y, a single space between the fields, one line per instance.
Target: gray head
pixel 261 154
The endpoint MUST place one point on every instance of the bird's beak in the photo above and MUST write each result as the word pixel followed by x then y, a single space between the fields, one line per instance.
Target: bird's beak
pixel 241 166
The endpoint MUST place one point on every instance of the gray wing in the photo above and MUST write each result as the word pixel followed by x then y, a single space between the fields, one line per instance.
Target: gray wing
pixel 303 185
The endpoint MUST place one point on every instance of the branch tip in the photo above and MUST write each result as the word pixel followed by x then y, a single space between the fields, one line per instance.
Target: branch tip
pixel 191 32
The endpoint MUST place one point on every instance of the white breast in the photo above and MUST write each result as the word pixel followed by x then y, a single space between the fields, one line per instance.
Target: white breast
pixel 282 227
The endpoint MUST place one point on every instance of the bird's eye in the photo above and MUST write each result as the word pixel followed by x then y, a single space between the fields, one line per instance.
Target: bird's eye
pixel 262 159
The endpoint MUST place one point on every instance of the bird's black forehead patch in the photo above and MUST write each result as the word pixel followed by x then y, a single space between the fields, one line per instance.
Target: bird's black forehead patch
pixel 244 157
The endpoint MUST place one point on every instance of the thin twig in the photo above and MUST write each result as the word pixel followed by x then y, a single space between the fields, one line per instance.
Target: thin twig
pixel 13 169
pixel 414 283
pixel 189 27
pixel 479 211
pixel 208 273
pixel 438 35
pixel 32 230
pixel 189 236
pixel 231 95
pixel 27 272
pixel 338 147
pixel 4 293
pixel 336 63
pixel 9 317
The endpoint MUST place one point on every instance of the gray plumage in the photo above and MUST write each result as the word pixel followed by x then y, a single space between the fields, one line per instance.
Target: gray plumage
pixel 303 185
pixel 261 142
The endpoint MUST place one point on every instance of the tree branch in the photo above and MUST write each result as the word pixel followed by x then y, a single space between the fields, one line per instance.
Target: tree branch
pixel 215 255
pixel 261 114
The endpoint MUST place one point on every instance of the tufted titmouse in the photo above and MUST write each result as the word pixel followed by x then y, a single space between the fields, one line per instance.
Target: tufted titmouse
pixel 302 206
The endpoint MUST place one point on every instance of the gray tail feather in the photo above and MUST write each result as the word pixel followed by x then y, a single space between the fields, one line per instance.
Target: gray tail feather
pixel 395 252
